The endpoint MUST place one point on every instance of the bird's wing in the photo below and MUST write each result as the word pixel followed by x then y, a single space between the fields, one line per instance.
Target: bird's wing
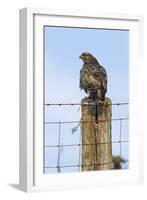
pixel 101 75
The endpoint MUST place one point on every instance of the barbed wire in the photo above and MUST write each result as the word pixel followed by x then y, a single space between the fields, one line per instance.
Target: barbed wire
pixel 83 104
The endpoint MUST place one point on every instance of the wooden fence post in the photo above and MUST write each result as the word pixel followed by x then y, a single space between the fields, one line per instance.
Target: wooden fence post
pixel 96 135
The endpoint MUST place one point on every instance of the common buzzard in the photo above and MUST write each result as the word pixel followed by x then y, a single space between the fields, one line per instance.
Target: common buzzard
pixel 93 78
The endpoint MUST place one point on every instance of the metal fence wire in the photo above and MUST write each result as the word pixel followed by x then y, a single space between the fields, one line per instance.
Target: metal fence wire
pixel 59 158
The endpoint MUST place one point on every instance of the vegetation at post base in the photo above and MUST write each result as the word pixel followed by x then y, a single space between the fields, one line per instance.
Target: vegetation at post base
pixel 117 162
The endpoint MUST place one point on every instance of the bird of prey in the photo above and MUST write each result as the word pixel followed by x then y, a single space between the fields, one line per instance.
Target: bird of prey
pixel 93 78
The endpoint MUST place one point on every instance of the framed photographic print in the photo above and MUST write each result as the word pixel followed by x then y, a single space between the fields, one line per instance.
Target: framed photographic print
pixel 80 75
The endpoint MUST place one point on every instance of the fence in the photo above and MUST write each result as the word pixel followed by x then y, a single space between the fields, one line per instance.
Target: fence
pixel 64 155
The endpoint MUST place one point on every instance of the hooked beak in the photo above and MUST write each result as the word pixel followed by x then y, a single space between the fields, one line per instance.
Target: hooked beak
pixel 80 56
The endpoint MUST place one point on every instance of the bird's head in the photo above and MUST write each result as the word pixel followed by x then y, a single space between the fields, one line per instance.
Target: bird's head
pixel 88 58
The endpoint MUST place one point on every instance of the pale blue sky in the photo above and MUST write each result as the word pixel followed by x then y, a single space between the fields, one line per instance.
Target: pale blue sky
pixel 63 47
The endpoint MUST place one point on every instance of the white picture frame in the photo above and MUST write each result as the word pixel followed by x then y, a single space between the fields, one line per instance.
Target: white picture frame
pixel 31 99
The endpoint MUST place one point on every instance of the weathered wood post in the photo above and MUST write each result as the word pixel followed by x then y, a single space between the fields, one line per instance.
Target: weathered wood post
pixel 96 135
